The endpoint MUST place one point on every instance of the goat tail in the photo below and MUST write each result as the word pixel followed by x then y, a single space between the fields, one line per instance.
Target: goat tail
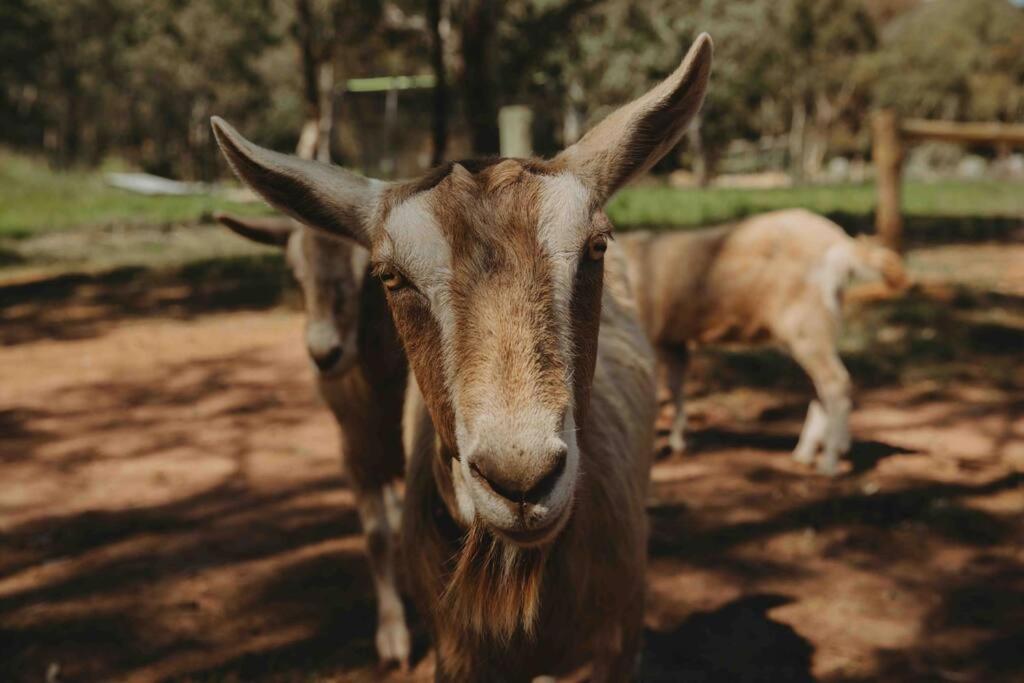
pixel 883 261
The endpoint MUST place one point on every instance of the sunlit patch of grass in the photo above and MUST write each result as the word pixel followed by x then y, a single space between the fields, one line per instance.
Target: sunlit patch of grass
pixel 688 207
pixel 35 199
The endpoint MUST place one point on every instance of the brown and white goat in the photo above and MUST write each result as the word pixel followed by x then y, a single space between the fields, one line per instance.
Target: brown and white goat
pixel 532 411
pixel 361 375
pixel 774 277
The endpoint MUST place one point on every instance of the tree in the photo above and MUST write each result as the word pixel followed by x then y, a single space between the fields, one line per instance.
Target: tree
pixel 322 28
pixel 135 77
pixel 749 81
pixel 624 48
pixel 826 42
pixel 23 43
pixel 478 24
pixel 954 60
pixel 439 120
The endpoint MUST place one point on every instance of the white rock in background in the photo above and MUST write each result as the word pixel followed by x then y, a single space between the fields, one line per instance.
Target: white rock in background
pixel 972 167
pixel 837 170
pixel 1010 167
pixel 146 183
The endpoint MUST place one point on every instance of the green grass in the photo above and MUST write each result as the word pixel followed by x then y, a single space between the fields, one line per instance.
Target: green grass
pixel 34 199
pixel 665 206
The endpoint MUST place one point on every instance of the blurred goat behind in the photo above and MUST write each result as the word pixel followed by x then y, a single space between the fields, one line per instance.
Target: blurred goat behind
pixel 361 374
pixel 775 277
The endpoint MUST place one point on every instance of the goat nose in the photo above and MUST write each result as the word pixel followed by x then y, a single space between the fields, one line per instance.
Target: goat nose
pixel 326 359
pixel 525 482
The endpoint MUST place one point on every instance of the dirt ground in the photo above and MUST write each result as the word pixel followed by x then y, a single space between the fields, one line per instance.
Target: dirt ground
pixel 172 504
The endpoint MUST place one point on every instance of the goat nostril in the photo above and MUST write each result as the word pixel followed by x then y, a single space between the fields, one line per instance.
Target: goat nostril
pixel 325 361
pixel 504 492
pixel 535 493
pixel 548 481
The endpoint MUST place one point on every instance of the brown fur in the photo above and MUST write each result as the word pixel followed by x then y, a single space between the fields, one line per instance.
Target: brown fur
pixel 491 261
pixel 486 634
pixel 527 552
pixel 493 588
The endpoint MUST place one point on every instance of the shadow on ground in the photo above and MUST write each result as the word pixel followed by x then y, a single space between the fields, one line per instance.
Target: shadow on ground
pixel 737 642
pixel 864 454
pixel 77 306
pixel 259 574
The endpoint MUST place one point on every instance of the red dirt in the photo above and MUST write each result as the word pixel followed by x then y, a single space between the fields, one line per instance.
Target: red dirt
pixel 172 507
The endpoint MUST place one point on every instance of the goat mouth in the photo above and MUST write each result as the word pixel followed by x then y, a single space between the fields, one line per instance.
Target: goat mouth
pixel 537 536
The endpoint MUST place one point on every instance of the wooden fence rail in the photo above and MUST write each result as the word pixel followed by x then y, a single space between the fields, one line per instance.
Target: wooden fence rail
pixel 889 138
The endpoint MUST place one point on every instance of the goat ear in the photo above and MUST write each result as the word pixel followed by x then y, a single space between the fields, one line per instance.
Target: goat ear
pixel 633 138
pixel 274 231
pixel 324 197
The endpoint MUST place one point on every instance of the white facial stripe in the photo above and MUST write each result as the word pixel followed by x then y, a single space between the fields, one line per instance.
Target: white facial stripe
pixel 415 242
pixel 564 216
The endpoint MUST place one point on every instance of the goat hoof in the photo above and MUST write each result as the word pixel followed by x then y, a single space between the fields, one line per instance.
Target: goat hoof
pixel 677 443
pixel 393 642
pixel 803 457
pixel 828 467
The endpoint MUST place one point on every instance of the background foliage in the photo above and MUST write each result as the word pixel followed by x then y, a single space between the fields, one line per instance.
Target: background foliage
pixel 82 80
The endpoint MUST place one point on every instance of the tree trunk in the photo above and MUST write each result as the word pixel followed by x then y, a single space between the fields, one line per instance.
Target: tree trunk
pixel 572 123
pixel 797 139
pixel 390 161
pixel 70 115
pixel 815 152
pixel 479 93
pixel 825 113
pixel 325 98
pixel 308 146
pixel 703 166
pixel 439 120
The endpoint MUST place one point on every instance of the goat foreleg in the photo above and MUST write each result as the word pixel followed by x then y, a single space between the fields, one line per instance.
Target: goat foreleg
pixel 379 512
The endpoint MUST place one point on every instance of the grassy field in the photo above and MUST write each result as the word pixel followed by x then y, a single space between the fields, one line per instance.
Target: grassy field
pixel 665 206
pixel 34 199
pixel 54 222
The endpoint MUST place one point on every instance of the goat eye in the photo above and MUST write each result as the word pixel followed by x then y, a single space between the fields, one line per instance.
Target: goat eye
pixel 597 246
pixel 391 278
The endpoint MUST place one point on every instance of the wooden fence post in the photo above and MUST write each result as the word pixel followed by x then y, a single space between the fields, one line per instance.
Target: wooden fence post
pixel 887 151
pixel 514 127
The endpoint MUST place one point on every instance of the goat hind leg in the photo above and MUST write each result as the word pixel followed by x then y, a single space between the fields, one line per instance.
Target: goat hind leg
pixel 837 439
pixel 818 357
pixel 812 435
pixel 672 362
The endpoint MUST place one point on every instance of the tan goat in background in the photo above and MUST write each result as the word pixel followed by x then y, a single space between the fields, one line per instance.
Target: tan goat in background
pixel 773 277
pixel 525 528
pixel 361 375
